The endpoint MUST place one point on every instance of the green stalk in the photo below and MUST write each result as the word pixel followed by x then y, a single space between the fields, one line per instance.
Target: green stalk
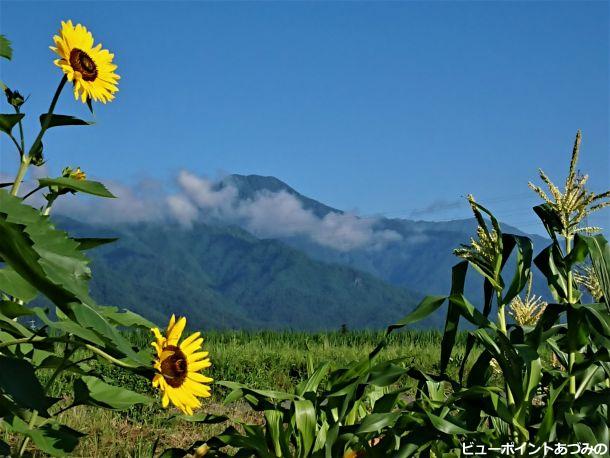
pixel 23 340
pixel 26 439
pixel 23 167
pixel 21 136
pixel 58 370
pixel 503 329
pixel 109 358
pixel 26 159
pixel 572 354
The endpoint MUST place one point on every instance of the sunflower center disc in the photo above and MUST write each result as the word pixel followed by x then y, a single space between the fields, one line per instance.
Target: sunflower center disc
pixel 174 367
pixel 82 63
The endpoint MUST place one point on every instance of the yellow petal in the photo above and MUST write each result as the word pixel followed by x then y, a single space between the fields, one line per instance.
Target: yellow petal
pixel 193 357
pixel 197 377
pixel 190 339
pixel 194 346
pixel 195 367
pixel 173 336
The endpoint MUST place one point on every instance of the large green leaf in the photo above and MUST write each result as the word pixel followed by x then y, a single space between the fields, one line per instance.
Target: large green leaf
pixel 18 380
pixel 89 187
pixel 6 50
pixel 42 255
pixel 14 285
pixel 53 263
pixel 55 120
pixel 8 121
pixel 52 438
pixel 90 390
pixel 305 418
pixel 525 250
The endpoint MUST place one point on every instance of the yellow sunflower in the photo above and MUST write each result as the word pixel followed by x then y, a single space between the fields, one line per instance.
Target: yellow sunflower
pixel 178 367
pixel 89 68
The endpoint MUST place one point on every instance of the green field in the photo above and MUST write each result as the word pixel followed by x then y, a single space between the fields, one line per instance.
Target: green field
pixel 264 359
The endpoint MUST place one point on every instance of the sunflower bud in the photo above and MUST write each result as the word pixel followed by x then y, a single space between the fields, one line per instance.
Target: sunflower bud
pixel 76 173
pixel 14 98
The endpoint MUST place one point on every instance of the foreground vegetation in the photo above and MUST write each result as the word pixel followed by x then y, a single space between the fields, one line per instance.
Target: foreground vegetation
pixel 266 359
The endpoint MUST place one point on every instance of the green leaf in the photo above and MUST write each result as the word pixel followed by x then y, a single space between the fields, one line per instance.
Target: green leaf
pixel 18 380
pixel 12 284
pixel 426 307
pixel 275 430
pixel 550 262
pixel 70 327
pixel 8 121
pixel 56 120
pixel 89 187
pixel 6 50
pixel 276 395
pixel 53 438
pixel 458 278
pixel 125 318
pixel 469 311
pixel 549 218
pixel 525 250
pixel 88 243
pixel 446 426
pixel 93 391
pixel 599 251
pixel 305 417
pixel 12 309
pixel 312 383
pixel 377 421
pixel 43 256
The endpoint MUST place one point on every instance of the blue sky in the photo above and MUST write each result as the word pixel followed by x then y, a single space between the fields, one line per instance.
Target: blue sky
pixel 394 108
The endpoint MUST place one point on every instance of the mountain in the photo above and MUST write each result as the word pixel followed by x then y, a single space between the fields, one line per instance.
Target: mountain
pixel 420 260
pixel 223 277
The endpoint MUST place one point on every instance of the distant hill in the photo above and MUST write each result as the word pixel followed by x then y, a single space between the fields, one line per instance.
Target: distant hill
pixel 222 277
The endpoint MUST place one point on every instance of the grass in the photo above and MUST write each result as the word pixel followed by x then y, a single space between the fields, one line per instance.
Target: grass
pixel 264 359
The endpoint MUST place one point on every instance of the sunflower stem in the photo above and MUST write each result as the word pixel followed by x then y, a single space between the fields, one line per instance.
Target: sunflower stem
pixel 21 136
pixel 23 167
pixel 23 340
pixel 26 439
pixel 26 159
pixel 109 358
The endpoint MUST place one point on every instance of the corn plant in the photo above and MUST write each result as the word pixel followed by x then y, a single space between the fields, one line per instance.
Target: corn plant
pixel 357 411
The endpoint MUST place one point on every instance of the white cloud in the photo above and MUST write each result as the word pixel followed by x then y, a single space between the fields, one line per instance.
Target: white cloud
pixel 144 202
pixel 266 214
pixel 281 214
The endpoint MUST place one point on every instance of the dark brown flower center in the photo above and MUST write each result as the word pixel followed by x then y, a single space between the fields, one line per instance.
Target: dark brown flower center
pixel 82 63
pixel 174 367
